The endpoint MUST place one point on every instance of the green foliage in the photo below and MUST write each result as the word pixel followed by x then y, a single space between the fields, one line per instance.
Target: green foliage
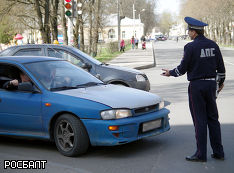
pixel 165 22
pixel 105 53
pixel 6 34
pixel 112 47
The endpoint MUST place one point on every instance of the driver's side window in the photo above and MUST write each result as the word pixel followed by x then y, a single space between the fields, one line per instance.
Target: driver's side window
pixel 58 53
pixel 11 77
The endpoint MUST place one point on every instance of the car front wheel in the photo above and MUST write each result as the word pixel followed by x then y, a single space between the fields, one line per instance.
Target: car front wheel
pixel 70 136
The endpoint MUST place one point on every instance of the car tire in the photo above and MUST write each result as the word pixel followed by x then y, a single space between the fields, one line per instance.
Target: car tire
pixel 70 136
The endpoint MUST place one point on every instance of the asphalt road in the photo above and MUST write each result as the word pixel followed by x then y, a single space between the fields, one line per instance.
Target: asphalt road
pixel 164 153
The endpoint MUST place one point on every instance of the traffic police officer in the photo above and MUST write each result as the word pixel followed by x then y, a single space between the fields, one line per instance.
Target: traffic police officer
pixel 203 62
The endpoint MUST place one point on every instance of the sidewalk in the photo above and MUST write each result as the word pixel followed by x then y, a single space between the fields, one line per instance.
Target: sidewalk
pixel 136 58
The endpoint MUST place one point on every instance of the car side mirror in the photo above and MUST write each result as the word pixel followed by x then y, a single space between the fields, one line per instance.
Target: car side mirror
pixel 86 66
pixel 26 86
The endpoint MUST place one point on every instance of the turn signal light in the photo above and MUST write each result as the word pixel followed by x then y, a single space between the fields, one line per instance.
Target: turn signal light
pixel 47 104
pixel 113 128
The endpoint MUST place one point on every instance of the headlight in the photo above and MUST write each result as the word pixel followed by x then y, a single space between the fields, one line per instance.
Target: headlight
pixel 140 78
pixel 161 105
pixel 115 114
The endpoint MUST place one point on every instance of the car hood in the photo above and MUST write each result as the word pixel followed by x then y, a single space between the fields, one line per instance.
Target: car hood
pixel 123 69
pixel 114 96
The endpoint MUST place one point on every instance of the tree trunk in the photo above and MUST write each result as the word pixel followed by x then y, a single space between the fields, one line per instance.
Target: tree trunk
pixel 46 20
pixel 97 22
pixel 224 34
pixel 90 26
pixel 82 47
pixel 76 33
pixel 232 35
pixel 53 19
pixel 43 26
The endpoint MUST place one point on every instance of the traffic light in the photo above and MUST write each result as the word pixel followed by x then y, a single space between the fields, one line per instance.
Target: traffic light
pixel 68 7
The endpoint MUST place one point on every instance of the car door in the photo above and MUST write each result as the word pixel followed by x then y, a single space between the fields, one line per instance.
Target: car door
pixel 20 112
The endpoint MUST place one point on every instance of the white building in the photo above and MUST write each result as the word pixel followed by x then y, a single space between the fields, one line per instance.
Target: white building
pixel 178 29
pixel 127 27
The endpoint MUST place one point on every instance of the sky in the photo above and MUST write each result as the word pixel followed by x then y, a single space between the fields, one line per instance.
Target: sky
pixel 171 6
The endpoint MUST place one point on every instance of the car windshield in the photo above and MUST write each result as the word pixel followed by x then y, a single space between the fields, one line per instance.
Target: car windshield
pixel 61 75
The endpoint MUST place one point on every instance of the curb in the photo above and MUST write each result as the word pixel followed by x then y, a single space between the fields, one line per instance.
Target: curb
pixel 149 65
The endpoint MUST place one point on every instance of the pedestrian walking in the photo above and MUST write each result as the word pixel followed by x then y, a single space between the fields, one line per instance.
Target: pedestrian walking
pixel 136 43
pixel 133 42
pixel 122 46
pixel 203 62
pixel 143 44
pixel 142 38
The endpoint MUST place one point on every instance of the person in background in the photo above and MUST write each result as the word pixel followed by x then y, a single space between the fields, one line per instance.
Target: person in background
pixel 136 43
pixel 122 46
pixel 142 38
pixel 133 42
pixel 143 44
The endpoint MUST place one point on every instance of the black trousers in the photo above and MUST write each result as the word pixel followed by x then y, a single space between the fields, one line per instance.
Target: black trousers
pixel 203 108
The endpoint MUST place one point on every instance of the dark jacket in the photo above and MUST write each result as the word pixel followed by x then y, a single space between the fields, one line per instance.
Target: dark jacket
pixel 202 59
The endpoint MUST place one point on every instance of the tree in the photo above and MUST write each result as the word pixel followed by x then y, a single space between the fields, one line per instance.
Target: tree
pixel 6 33
pixel 217 13
pixel 165 23
pixel 96 26
pixel 36 15
pixel 91 9
pixel 54 19
pixel 43 20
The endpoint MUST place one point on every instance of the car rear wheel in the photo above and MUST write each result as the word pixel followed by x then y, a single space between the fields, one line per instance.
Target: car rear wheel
pixel 70 136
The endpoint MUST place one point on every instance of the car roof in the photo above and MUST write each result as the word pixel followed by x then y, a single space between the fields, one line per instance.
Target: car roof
pixel 38 45
pixel 29 59
pixel 54 46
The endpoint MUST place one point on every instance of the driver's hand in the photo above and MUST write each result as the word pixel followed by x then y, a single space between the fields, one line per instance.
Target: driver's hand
pixel 14 82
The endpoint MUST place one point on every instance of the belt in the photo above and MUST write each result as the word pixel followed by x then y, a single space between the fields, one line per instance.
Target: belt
pixel 208 79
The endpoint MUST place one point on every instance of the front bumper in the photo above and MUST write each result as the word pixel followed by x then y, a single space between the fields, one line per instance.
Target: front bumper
pixel 129 128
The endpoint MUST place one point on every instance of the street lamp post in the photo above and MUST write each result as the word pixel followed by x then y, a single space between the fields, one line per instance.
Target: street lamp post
pixel 133 14
pixel 140 13
pixel 118 16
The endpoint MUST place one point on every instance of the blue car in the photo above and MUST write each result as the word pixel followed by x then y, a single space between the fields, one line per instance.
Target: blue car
pixel 56 100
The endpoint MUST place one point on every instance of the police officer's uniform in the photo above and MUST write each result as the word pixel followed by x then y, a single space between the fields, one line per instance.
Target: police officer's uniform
pixel 203 62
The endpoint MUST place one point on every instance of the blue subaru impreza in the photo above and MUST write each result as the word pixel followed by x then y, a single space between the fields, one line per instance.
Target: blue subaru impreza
pixel 61 102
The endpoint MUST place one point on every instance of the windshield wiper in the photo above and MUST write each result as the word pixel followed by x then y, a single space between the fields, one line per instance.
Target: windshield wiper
pixel 89 84
pixel 63 88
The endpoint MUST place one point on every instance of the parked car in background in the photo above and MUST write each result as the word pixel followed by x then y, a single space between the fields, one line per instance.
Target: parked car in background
pixel 160 38
pixel 107 73
pixel 71 107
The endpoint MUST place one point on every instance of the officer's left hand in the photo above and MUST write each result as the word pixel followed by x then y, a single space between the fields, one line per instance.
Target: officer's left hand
pixel 165 73
pixel 220 88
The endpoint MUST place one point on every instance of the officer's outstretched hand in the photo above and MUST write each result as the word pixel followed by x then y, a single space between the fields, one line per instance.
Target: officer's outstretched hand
pixel 165 73
pixel 220 88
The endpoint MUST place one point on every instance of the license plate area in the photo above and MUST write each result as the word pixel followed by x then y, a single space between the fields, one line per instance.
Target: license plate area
pixel 151 125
